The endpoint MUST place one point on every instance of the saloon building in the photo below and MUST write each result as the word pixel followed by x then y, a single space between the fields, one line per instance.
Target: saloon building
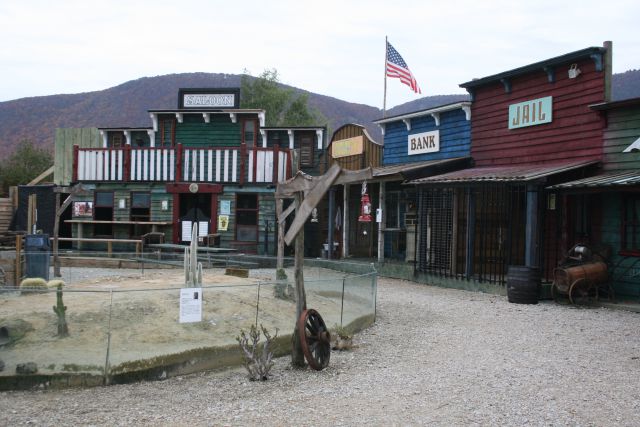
pixel 206 162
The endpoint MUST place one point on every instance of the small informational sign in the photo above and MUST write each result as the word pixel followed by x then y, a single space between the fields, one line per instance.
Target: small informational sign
pixel 531 113
pixel 223 222
pixel 347 147
pixel 425 142
pixel 190 305
pixel 378 215
pixel 225 207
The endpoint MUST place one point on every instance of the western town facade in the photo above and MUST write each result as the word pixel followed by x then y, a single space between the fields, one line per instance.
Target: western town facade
pixel 208 162
pixel 531 128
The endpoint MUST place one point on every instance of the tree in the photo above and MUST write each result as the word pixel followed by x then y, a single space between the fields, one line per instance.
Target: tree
pixel 283 106
pixel 26 163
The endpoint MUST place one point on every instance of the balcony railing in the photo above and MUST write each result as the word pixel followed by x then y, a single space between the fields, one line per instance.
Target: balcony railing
pixel 238 165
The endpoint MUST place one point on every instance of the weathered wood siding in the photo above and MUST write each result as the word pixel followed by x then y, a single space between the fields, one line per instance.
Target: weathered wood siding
pixel 372 152
pixel 575 132
pixel 455 133
pixel 623 129
pixel 219 132
pixel 65 139
pixel 6 213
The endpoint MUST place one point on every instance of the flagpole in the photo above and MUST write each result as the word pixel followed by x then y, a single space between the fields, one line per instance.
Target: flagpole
pixel 384 102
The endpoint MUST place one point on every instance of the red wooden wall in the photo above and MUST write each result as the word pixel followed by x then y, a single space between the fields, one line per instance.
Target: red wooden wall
pixel 575 133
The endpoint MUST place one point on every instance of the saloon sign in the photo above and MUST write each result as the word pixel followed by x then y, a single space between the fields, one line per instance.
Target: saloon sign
pixel 426 142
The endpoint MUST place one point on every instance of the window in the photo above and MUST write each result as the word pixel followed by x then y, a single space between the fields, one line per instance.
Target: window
pixel 117 140
pixel 167 132
pixel 306 150
pixel 140 212
pixel 631 223
pixel 247 217
pixel 103 211
pixel 249 132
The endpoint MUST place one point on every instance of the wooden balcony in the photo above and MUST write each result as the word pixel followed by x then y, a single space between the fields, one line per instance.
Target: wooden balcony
pixel 234 165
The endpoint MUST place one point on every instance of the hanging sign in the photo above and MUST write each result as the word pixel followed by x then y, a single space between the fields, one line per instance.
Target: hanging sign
pixel 347 147
pixel 426 142
pixel 223 222
pixel 190 305
pixel 531 113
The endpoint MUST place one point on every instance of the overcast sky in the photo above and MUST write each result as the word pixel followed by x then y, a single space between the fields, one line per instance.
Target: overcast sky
pixel 333 48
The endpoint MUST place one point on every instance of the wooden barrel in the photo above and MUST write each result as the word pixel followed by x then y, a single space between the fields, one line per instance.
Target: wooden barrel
pixel 523 284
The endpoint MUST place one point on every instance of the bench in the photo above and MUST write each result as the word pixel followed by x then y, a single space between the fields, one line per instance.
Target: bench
pixel 109 242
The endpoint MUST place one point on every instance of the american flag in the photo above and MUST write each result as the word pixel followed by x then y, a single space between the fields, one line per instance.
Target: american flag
pixel 397 68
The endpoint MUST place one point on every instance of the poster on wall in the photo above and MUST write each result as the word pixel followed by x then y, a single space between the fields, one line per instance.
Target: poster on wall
pixel 190 305
pixel 225 207
pixel 223 222
pixel 82 208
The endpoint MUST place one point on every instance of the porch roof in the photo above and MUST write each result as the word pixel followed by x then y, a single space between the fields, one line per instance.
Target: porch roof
pixel 516 173
pixel 619 179
pixel 416 170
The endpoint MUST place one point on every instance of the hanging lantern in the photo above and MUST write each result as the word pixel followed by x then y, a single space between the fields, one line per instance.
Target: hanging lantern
pixel 365 205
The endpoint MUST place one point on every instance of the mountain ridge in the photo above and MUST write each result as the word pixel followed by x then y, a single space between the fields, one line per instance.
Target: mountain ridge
pixel 126 105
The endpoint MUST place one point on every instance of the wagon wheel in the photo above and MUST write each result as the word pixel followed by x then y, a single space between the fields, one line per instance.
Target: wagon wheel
pixel 580 293
pixel 315 339
pixel 558 296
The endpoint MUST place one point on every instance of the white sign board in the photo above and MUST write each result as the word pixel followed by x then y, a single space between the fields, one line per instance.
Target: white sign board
pixel 225 207
pixel 425 142
pixel 208 100
pixel 531 113
pixel 190 305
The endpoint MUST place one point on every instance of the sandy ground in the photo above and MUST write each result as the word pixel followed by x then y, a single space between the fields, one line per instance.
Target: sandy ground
pixel 435 356
pixel 142 314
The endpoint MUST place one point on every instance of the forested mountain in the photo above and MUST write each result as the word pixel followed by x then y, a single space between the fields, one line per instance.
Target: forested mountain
pixel 126 105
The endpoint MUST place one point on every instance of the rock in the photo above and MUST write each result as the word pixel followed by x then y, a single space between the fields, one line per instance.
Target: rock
pixel 1 365
pixel 26 368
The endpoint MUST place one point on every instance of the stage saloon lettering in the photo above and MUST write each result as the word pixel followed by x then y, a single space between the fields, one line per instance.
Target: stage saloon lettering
pixel 426 142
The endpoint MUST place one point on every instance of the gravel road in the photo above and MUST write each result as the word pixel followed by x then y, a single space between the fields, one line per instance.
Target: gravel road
pixel 435 356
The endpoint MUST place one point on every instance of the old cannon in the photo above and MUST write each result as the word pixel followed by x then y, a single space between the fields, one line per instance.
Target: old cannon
pixel 582 276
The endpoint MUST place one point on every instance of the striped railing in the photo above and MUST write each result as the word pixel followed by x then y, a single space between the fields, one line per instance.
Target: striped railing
pixel 212 165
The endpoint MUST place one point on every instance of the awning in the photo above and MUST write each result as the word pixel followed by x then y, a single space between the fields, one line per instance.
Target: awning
pixel 500 174
pixel 407 171
pixel 621 179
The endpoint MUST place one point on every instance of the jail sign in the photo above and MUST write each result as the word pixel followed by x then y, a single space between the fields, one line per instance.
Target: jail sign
pixel 530 113
pixel 426 142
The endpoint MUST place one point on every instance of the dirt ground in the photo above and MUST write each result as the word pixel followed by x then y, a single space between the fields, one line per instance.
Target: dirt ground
pixel 119 319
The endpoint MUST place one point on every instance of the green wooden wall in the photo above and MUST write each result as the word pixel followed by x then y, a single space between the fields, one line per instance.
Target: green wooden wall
pixel 623 128
pixel 65 139
pixel 626 271
pixel 219 132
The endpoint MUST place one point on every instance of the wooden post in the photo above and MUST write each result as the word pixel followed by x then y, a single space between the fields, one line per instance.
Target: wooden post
pixel 381 224
pixel 280 255
pixel 531 245
pixel 75 163
pixel 178 176
pixel 18 259
pixel 345 221
pixel 32 213
pixel 127 164
pixel 297 356
pixel 243 162
pixel 276 155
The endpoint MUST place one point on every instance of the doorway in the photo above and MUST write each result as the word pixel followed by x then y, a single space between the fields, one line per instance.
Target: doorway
pixel 194 208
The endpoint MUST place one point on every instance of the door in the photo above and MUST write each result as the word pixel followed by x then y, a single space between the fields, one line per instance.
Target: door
pixel 194 208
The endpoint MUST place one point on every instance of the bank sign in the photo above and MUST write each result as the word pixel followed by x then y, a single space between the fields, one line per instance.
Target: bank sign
pixel 426 142
pixel 530 113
